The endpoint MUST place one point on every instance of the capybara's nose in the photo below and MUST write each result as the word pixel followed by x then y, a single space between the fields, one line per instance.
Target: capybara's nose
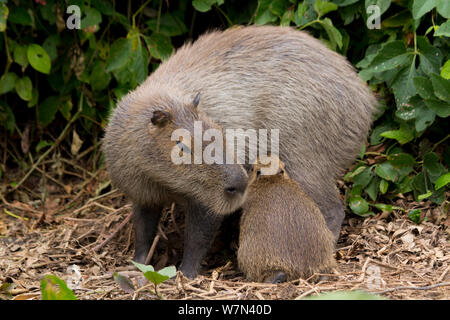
pixel 237 185
pixel 236 188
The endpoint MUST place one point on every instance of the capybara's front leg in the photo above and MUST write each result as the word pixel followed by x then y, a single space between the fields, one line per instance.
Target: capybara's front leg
pixel 200 228
pixel 145 224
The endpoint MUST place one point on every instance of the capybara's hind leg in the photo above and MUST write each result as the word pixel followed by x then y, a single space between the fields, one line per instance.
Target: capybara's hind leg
pixel 200 229
pixel 145 223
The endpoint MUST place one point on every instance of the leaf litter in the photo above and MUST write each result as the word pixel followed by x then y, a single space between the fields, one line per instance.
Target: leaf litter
pixel 86 239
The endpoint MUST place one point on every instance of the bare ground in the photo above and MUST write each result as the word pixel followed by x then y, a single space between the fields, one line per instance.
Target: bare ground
pixel 386 254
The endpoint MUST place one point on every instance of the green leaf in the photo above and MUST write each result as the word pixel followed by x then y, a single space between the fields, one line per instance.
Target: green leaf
pixel 120 52
pixel 430 56
pixel 39 58
pixel 287 18
pixel 124 282
pixel 441 108
pixel 143 267
pixel 7 118
pixel 391 56
pixel 104 6
pixel 406 112
pixel 20 55
pixel 333 34
pixel 382 4
pixel 424 116
pixel 50 45
pixel 53 288
pixel 375 137
pixel 432 165
pixel 403 84
pixel 263 13
pixel 420 7
pixel 402 162
pixel 138 65
pixel 24 88
pixel 20 15
pixel 441 87
pixel 445 72
pixel 442 181
pixel 34 99
pixel 384 185
pixel 8 82
pixel 99 78
pixel 43 144
pixel 65 109
pixel 92 17
pixel 159 46
pixel 402 135
pixel 358 205
pixel 170 25
pixel 357 171
pixel 343 3
pixel 386 207
pixel 424 87
pixel 425 195
pixel 205 5
pixel 153 276
pixel 279 7
pixel 443 7
pixel 404 185
pixel 372 188
pixel 397 20
pixel 414 215
pixel 47 110
pixel 386 171
pixel 323 7
pixel 170 271
pixel 3 16
pixel 443 30
pixel 363 178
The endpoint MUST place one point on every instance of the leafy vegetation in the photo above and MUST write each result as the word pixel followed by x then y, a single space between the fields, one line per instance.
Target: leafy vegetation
pixel 53 288
pixel 53 76
pixel 155 277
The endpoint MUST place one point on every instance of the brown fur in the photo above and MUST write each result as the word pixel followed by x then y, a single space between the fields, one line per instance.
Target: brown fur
pixel 138 155
pixel 249 77
pixel 274 78
pixel 282 229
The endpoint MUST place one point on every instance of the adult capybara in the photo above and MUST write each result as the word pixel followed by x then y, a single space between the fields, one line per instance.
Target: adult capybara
pixel 248 77
pixel 283 235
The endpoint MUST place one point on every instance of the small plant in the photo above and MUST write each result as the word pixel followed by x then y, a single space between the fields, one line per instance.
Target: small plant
pixel 53 288
pixel 415 216
pixel 155 277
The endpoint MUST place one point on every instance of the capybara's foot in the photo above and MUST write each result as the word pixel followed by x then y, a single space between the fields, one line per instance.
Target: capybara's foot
pixel 276 277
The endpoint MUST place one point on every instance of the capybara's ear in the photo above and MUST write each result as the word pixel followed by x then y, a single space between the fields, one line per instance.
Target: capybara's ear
pixel 160 118
pixel 196 100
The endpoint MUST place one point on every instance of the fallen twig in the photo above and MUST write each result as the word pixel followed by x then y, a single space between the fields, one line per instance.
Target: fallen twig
pixel 442 284
pixel 122 224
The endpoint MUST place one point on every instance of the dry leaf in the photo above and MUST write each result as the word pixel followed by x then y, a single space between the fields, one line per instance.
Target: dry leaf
pixel 76 143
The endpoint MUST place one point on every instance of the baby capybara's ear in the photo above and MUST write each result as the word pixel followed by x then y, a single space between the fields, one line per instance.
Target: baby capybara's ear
pixel 160 118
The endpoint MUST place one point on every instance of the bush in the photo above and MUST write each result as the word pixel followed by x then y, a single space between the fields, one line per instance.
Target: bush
pixel 52 74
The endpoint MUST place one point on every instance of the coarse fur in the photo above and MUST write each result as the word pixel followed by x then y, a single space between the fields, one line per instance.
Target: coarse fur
pixel 282 232
pixel 260 77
